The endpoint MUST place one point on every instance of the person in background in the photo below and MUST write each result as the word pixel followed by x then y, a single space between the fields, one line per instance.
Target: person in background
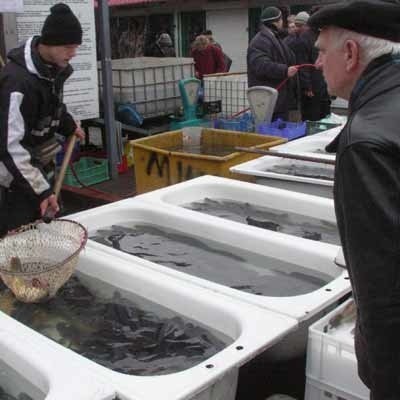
pixel 31 113
pixel 270 61
pixel 208 59
pixel 227 59
pixel 164 46
pixel 359 54
pixel 314 99
pixel 292 30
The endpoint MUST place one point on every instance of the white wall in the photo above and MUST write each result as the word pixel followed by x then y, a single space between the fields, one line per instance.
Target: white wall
pixel 230 30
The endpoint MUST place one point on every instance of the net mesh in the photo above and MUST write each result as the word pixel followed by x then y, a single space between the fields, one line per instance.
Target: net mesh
pixel 37 259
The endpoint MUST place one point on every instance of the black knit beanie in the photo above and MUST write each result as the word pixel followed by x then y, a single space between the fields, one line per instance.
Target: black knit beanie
pixel 61 27
pixel 270 14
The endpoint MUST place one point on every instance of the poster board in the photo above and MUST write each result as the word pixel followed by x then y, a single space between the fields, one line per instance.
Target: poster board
pixel 8 6
pixel 81 90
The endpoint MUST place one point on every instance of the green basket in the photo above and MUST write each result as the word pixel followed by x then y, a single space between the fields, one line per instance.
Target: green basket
pixel 90 170
pixel 313 127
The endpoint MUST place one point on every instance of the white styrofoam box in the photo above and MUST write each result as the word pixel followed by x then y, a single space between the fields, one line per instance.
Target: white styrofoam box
pixel 151 83
pixel 231 89
pixel 28 365
pixel 251 329
pixel 318 391
pixel 307 254
pixel 331 358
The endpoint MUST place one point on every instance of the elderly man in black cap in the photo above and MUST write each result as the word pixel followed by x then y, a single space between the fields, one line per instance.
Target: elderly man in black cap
pixel 270 60
pixel 31 113
pixel 359 53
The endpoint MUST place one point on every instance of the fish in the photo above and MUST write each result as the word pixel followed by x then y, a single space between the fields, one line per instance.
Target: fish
pixel 348 314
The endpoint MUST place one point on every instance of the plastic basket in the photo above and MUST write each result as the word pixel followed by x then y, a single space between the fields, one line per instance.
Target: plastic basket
pixel 318 126
pixel 241 124
pixel 90 170
pixel 287 130
pixel 331 358
pixel 318 391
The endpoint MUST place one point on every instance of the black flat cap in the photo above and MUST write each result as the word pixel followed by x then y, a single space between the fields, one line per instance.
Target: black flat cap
pixel 377 18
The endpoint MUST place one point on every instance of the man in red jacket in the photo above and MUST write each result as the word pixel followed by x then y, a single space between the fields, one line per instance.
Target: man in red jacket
pixel 208 58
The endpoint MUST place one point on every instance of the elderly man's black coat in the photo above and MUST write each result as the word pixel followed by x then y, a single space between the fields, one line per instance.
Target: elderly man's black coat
pixel 268 59
pixel 367 204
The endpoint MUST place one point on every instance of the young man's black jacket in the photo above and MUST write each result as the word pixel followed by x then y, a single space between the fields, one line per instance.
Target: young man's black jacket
pixel 31 112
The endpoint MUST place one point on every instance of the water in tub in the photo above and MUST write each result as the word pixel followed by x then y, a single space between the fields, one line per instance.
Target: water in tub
pixel 13 386
pixel 268 218
pixel 203 149
pixel 305 169
pixel 229 266
pixel 117 329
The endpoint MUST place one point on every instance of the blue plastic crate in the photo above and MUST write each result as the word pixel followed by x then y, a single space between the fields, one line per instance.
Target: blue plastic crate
pixel 242 124
pixel 287 130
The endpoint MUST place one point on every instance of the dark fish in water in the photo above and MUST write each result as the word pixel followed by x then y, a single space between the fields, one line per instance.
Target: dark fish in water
pixel 272 226
pixel 346 315
pixel 312 236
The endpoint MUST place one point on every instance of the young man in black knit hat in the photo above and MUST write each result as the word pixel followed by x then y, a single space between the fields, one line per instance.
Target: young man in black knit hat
pixel 31 113
pixel 359 54
pixel 270 60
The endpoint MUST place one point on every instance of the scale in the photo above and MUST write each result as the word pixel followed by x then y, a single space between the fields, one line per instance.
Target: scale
pixel 189 90
pixel 262 100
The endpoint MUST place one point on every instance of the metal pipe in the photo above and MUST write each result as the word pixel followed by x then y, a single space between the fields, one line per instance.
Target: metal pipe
pixel 108 95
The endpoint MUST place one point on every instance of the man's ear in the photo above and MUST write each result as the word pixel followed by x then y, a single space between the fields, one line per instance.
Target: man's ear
pixel 352 55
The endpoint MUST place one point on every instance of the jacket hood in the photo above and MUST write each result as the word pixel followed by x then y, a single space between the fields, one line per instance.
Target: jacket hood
pixel 27 56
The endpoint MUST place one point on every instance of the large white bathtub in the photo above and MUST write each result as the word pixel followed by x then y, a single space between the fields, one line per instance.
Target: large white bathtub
pixel 308 146
pixel 250 329
pixel 28 365
pixel 308 254
pixel 308 209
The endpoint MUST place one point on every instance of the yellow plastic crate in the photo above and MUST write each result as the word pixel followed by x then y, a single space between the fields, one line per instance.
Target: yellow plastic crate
pixel 158 163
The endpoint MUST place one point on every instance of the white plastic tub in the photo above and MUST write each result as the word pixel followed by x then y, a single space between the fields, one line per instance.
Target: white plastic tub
pixel 28 365
pixel 251 330
pixel 284 248
pixel 308 209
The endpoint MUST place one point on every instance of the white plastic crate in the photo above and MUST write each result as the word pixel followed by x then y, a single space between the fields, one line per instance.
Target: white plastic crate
pixel 318 391
pixel 231 89
pixel 151 83
pixel 331 359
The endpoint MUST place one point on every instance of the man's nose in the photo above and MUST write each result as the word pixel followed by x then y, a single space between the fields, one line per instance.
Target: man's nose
pixel 318 63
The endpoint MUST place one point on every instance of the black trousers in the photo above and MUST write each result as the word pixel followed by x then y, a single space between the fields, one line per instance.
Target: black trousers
pixel 17 209
pixel 315 108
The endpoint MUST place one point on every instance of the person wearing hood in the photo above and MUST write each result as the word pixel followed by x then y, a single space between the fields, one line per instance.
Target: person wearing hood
pixel 270 61
pixel 164 46
pixel 359 54
pixel 31 113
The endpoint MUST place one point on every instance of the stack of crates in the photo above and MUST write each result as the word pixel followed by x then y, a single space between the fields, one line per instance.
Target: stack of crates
pixel 331 361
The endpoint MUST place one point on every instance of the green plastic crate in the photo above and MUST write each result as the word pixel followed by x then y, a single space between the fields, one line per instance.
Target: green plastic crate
pixel 313 127
pixel 90 170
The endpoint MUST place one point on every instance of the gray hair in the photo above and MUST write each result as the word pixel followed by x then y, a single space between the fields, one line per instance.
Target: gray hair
pixel 371 47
